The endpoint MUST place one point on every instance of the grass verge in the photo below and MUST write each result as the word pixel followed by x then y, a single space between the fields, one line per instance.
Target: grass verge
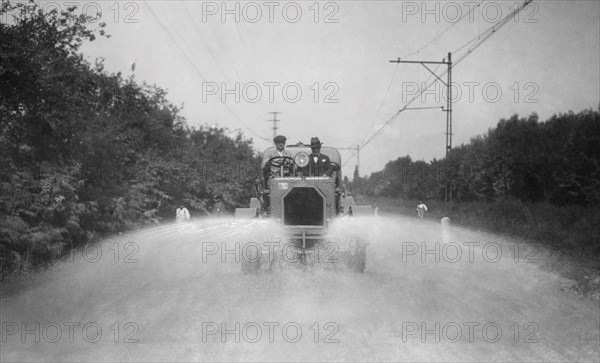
pixel 570 235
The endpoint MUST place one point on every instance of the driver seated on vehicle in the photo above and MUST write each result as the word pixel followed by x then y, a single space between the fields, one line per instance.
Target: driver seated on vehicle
pixel 268 168
pixel 318 164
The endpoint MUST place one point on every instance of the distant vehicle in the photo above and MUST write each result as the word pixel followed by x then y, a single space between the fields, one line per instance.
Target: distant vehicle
pixel 306 206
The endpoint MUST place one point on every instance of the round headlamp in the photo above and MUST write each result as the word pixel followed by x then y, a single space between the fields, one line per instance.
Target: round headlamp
pixel 301 159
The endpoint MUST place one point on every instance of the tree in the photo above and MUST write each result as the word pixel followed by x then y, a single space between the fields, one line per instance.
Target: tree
pixel 83 152
pixel 556 161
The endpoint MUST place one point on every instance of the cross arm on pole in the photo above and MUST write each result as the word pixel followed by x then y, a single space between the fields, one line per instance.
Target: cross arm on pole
pixel 424 108
pixel 435 75
pixel 419 62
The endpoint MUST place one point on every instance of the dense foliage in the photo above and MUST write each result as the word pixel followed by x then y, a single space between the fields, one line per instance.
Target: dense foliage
pixel 83 152
pixel 555 162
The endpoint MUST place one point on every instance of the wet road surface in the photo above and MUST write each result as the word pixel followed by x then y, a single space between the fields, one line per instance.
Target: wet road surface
pixel 177 293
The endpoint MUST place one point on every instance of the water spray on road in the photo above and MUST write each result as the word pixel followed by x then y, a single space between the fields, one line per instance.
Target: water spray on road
pixel 177 293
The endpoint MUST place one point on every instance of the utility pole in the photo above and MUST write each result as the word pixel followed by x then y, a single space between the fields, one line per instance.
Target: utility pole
pixel 448 109
pixel 274 121
pixel 449 126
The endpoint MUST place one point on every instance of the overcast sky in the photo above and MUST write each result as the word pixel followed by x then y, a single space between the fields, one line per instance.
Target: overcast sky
pixel 207 54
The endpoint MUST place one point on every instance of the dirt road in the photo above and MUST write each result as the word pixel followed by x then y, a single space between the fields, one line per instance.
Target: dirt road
pixel 165 294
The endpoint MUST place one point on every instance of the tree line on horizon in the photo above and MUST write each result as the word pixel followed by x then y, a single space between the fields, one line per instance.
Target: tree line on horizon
pixel 556 162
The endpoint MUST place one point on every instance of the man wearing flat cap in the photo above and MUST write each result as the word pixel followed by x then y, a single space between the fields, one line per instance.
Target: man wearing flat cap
pixel 318 164
pixel 279 151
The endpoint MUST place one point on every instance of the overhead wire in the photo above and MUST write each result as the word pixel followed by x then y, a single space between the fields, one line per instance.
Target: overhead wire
pixel 248 49
pixel 479 39
pixel 485 35
pixel 416 52
pixel 383 100
pixel 479 36
pixel 249 54
pixel 214 58
pixel 164 28
pixel 492 30
pixel 212 52
pixel 350 158
pixel 186 56
pixel 201 34
pixel 444 31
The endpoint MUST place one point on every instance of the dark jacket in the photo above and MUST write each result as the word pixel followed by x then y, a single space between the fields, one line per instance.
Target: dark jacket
pixel 320 168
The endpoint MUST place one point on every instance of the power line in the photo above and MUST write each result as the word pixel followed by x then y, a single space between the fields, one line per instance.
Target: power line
pixel 198 71
pixel 480 39
pixel 419 50
pixel 174 41
pixel 383 100
pixel 448 84
pixel 448 28
pixel 201 33
pixel 245 49
pixel 357 155
pixel 206 43
pixel 214 58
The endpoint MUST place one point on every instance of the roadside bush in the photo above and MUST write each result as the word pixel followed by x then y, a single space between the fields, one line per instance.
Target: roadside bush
pixel 574 230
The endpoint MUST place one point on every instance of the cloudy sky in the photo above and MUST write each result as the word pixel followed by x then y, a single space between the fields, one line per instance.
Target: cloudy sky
pixel 326 66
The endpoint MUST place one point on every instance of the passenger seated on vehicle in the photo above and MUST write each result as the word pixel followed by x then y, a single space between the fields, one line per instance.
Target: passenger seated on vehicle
pixel 270 170
pixel 318 164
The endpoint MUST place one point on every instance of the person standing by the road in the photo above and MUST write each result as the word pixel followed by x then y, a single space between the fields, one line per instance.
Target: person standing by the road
pixel 182 214
pixel 421 209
